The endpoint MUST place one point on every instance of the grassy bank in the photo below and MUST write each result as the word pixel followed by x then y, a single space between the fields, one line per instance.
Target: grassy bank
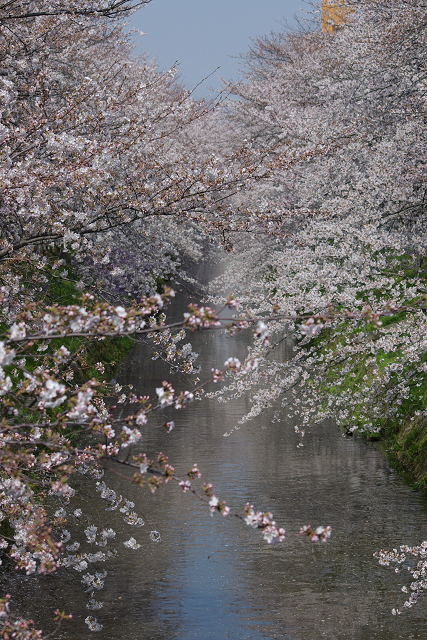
pixel 404 433
pixel 406 445
pixel 97 358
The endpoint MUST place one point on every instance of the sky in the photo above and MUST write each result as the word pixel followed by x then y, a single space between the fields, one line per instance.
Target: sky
pixel 202 35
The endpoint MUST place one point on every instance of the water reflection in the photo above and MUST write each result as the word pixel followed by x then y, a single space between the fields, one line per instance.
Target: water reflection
pixel 213 578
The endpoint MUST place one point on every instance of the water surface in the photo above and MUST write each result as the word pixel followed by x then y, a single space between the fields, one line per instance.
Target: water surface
pixel 212 578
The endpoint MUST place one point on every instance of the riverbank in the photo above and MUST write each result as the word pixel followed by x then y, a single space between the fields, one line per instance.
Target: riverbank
pixel 406 445
pixel 400 423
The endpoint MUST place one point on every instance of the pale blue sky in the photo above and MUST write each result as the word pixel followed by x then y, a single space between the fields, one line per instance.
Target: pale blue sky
pixel 203 34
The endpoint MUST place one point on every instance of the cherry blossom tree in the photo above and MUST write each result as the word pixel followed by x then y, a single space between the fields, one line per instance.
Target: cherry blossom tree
pixel 95 143
pixel 17 9
pixel 351 231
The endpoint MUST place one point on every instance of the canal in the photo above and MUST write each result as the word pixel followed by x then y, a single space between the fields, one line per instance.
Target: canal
pixel 211 578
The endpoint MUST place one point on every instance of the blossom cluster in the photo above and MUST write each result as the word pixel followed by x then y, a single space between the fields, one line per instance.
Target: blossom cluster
pixel 264 521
